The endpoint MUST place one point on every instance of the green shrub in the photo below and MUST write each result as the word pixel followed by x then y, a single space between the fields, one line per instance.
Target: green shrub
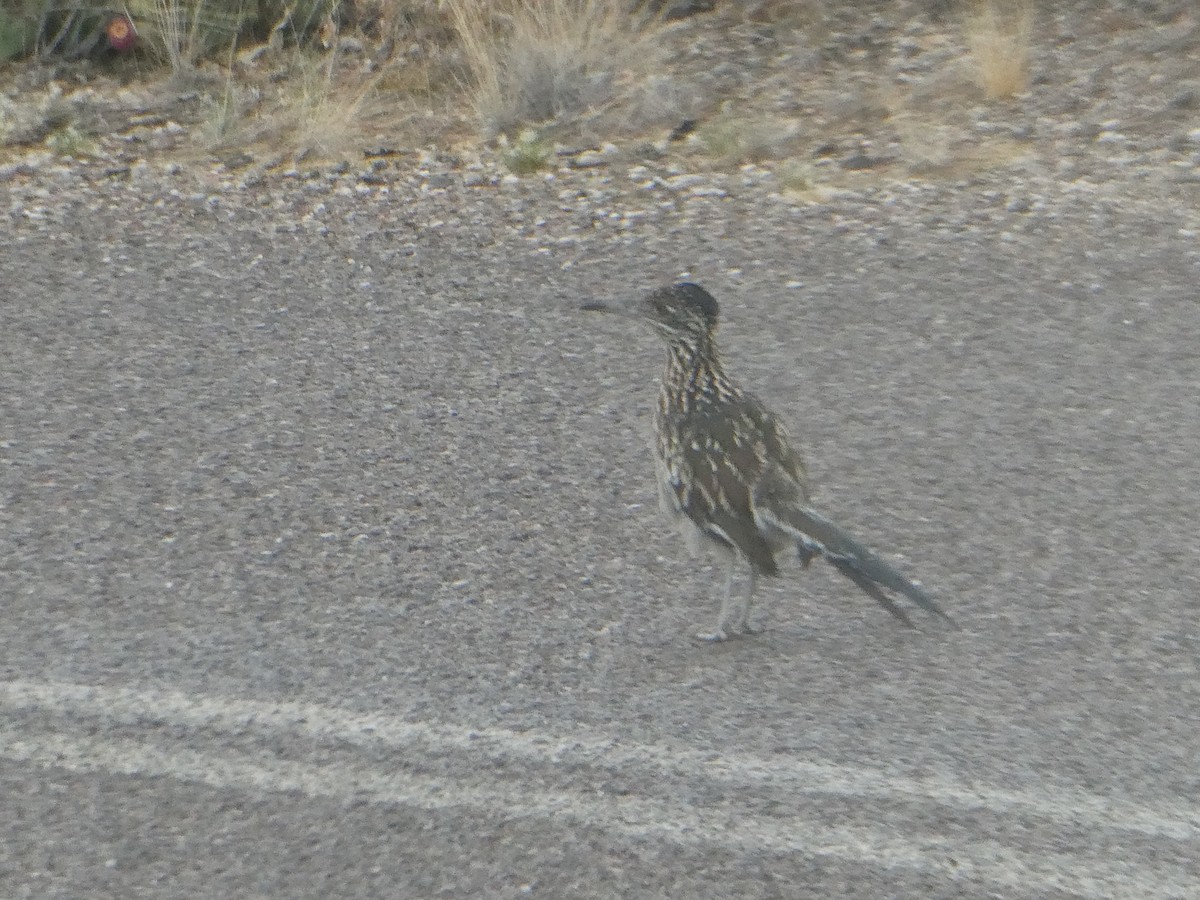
pixel 529 153
pixel 18 34
pixel 178 32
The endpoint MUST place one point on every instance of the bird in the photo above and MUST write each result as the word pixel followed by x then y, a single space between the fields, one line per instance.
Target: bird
pixel 728 475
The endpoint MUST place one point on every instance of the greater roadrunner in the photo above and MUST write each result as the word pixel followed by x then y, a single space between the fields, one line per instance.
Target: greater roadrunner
pixel 727 473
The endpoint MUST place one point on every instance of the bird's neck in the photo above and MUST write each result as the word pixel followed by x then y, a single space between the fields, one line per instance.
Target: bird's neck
pixel 696 370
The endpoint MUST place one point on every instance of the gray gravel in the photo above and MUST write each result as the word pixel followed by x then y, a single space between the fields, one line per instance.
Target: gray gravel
pixel 356 449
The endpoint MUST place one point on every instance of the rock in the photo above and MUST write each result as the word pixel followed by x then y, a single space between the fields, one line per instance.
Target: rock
pixel 684 182
pixel 1185 99
pixel 589 159
pixel 860 161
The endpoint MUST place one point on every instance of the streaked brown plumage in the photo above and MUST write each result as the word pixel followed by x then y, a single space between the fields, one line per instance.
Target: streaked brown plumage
pixel 728 476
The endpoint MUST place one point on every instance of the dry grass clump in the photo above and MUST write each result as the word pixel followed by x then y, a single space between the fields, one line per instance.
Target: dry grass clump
pixel 315 108
pixel 999 33
pixel 71 141
pixel 384 67
pixel 733 138
pixel 315 111
pixel 535 61
pixel 179 34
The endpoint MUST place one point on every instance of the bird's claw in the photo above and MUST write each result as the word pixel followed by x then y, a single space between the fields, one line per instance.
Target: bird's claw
pixel 725 632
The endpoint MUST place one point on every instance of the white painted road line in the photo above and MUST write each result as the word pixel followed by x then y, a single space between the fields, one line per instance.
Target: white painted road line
pixel 983 860
pixel 659 818
pixel 141 707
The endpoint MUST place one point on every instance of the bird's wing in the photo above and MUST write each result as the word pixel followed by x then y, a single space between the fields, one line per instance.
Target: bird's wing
pixel 775 448
pixel 723 454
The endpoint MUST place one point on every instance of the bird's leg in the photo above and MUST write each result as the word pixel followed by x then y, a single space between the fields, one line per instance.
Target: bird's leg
pixel 806 553
pixel 742 623
pixel 725 619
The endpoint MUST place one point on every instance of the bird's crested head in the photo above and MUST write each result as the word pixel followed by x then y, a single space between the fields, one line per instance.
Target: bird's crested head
pixel 683 314
pixel 683 311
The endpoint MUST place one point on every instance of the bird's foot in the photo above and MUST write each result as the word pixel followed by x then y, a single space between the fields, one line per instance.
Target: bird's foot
pixel 806 553
pixel 726 632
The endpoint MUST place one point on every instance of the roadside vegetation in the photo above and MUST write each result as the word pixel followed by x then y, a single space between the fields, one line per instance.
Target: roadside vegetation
pixel 321 78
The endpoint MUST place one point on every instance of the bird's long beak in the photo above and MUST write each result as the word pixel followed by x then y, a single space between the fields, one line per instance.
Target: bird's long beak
pixel 628 307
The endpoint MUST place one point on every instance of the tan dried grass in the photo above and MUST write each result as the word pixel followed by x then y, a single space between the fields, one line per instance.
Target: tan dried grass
pixel 534 61
pixel 999 34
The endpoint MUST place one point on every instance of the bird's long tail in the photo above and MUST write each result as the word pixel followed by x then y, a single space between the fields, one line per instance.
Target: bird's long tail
pixel 815 534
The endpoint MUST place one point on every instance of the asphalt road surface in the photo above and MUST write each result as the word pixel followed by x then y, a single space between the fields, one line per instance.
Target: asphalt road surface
pixel 331 565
